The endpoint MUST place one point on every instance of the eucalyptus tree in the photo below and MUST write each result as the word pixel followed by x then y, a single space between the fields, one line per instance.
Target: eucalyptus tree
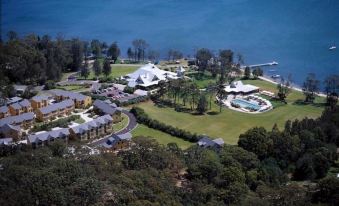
pixel 220 88
pixel 310 87
pixel 107 68
pixel 203 56
pixel 211 92
pixel 97 68
pixel 114 51
pixel 96 47
pixel 202 103
pixel 284 88
pixel 332 90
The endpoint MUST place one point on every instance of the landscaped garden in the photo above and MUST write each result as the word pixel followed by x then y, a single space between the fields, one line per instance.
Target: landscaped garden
pixel 230 124
pixel 118 70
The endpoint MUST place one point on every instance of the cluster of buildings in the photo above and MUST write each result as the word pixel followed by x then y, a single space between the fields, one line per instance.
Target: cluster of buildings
pixel 96 128
pixel 20 114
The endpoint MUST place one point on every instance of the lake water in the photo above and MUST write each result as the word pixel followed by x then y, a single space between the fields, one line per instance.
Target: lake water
pixel 297 34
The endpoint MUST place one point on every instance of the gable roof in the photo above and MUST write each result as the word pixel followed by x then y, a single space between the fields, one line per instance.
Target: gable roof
pixel 17 119
pixel 8 127
pixel 54 107
pixel 238 86
pixel 16 106
pixel 54 134
pixel 207 142
pixel 25 103
pixel 114 139
pixel 13 100
pixel 148 75
pixel 105 107
pixel 19 105
pixel 82 128
pixel 6 141
pixel 40 98
pixel 3 109
pixel 71 95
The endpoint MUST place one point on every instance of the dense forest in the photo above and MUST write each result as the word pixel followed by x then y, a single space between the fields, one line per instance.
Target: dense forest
pixel 289 167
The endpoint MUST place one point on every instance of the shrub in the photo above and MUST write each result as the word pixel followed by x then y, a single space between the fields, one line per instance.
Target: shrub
pixel 129 90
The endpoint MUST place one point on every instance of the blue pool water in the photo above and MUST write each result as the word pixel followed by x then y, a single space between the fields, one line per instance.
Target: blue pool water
pixel 297 34
pixel 246 104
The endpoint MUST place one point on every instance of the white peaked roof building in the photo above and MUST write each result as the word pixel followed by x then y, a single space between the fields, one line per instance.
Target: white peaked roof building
pixel 238 87
pixel 148 75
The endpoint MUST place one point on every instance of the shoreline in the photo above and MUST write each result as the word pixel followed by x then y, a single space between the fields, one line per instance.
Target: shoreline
pixel 293 87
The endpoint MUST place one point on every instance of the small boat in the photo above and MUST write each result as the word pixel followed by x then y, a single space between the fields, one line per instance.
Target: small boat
pixel 332 47
pixel 274 63
pixel 275 76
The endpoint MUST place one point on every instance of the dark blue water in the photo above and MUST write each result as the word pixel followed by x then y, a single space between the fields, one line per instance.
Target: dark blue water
pixel 295 33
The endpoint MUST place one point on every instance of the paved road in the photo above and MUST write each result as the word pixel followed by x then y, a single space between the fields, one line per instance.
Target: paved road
pixel 131 125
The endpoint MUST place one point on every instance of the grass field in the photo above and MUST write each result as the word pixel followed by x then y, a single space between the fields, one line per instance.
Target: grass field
pixel 230 124
pixel 161 137
pixel 118 70
pixel 72 87
pixel 122 124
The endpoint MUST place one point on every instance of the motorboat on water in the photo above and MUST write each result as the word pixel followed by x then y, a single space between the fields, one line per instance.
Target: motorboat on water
pixel 332 47
pixel 274 63
pixel 276 76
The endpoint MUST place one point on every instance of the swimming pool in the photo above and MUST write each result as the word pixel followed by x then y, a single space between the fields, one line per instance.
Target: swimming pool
pixel 246 104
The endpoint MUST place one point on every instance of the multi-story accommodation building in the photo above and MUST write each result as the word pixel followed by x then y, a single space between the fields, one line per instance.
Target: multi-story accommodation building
pixel 54 110
pixel 24 120
pixel 98 127
pixel 20 107
pixel 44 138
pixel 4 112
pixel 101 107
pixel 80 100
pixel 38 102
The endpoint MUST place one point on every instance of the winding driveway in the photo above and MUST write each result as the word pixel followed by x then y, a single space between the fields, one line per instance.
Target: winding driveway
pixel 132 123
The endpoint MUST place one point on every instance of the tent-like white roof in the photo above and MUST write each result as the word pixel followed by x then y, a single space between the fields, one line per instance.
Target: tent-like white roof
pixel 148 75
pixel 238 86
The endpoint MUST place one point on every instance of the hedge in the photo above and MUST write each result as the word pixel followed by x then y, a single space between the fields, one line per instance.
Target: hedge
pixel 143 118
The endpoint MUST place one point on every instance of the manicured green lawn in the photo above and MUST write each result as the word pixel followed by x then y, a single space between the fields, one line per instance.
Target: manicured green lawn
pixel 161 137
pixel 118 70
pixel 122 124
pixel 72 87
pixel 230 124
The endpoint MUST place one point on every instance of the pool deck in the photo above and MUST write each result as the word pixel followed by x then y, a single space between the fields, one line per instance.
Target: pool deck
pixel 227 103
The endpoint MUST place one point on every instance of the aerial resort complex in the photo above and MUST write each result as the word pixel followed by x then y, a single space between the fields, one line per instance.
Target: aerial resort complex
pixel 169 103
pixel 244 98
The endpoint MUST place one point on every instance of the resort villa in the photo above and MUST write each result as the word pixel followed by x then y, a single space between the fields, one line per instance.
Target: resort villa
pixel 149 75
pixel 103 107
pixel 20 107
pixel 4 112
pixel 54 110
pixel 44 138
pixel 11 131
pixel 98 127
pixel 238 88
pixel 24 120
pixel 116 142
pixel 80 100
pixel 38 102
pixel 242 97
